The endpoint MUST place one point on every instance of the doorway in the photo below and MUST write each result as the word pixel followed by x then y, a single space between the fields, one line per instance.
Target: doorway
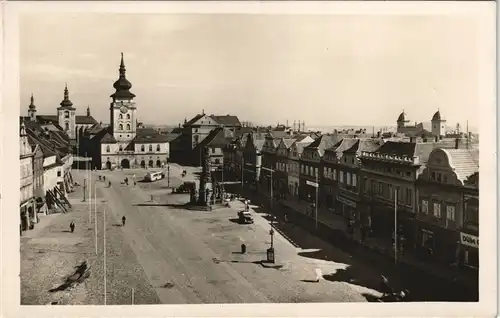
pixel 125 164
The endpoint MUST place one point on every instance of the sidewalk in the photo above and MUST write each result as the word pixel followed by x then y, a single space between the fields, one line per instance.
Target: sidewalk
pixel 338 223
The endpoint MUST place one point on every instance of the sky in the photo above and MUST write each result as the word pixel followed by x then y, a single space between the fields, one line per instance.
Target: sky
pixel 322 69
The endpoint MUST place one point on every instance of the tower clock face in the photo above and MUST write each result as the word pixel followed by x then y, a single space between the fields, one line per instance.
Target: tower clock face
pixel 123 109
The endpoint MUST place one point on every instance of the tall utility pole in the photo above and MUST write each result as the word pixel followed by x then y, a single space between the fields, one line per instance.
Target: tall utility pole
pixel 95 217
pixel 90 194
pixel 395 226
pixel 104 254
pixel 316 205
pixel 271 191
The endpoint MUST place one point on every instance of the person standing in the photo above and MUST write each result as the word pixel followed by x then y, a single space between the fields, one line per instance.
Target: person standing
pixel 123 220
pixel 72 226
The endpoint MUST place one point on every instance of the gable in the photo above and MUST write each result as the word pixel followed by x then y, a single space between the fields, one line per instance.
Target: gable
pixel 204 121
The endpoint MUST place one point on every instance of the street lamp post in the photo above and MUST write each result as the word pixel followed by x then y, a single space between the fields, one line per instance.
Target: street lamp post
pixel 271 172
pixel 168 175
pixel 272 237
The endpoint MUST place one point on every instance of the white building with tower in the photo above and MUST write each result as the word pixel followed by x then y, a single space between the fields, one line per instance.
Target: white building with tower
pixel 122 143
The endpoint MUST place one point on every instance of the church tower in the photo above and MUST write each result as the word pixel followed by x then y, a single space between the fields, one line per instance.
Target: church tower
pixel 402 122
pixel 32 109
pixel 438 124
pixel 66 115
pixel 122 109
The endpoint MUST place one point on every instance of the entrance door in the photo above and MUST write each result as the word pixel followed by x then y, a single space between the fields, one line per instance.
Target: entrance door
pixel 143 164
pixel 125 164
pixel 108 165
pixel 151 163
pixel 158 163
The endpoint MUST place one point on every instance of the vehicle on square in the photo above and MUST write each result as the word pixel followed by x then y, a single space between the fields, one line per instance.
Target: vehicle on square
pixel 154 176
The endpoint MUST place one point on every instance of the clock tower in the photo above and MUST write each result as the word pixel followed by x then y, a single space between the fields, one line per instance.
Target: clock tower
pixel 122 109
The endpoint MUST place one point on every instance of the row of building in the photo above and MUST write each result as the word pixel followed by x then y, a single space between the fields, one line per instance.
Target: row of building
pixel 433 181
pixel 46 161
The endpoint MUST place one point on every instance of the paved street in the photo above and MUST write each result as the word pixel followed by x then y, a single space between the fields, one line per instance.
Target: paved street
pixel 172 255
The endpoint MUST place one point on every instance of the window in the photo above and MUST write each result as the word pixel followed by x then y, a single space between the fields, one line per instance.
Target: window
pixel 150 147
pixel 341 176
pixel 408 173
pixel 120 127
pixel 437 210
pixel 66 126
pixel 354 180
pixel 391 194
pixel 316 171
pixel 128 116
pixel 433 176
pixel 142 147
pixel 380 188
pixel 450 212
pixel 58 173
pixel 408 197
pixel 66 114
pixel 348 177
pixel 157 147
pixel 120 116
pixel 445 179
pixel 310 170
pixel 334 174
pixel 217 161
pixel 121 147
pixel 438 177
pixel 128 126
pixel 213 150
pixel 107 149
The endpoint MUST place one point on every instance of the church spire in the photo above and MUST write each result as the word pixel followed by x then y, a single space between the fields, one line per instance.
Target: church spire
pixel 66 102
pixel 32 103
pixel 122 85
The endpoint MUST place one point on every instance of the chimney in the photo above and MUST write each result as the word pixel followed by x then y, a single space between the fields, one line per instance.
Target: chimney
pixel 457 143
pixel 294 125
pixel 378 134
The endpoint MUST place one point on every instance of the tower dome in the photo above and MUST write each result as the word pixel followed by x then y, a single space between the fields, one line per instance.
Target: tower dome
pixel 122 85
pixel 402 117
pixel 437 116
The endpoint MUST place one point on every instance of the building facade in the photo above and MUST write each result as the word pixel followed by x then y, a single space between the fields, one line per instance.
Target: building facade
pixel 123 144
pixel 27 202
pixel 448 201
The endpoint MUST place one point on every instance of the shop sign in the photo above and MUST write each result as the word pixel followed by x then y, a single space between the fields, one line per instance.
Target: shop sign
pixel 312 184
pixel 347 202
pixel 469 240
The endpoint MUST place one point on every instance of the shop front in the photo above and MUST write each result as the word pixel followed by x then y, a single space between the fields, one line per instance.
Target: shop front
pixel 347 207
pixel 469 250
pixel 436 244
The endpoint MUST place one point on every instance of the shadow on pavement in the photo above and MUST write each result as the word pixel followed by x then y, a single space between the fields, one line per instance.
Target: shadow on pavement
pixel 117 225
pixel 349 275
pixel 235 220
pixel 309 281
pixel 81 273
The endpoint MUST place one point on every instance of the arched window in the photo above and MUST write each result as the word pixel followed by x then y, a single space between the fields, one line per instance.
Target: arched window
pixel 157 147
pixel 128 126
pixel 107 149
pixel 66 126
pixel 66 114
pixel 120 116
pixel 142 147
pixel 150 147
pixel 120 127
pixel 128 116
pixel 121 147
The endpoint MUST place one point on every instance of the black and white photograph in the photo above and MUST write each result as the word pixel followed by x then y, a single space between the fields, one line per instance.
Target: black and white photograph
pixel 232 157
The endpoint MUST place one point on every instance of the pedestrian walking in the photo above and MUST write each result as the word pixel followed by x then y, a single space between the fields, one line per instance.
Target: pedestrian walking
pixel 135 183
pixel 72 226
pixel 109 184
pixel 123 220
